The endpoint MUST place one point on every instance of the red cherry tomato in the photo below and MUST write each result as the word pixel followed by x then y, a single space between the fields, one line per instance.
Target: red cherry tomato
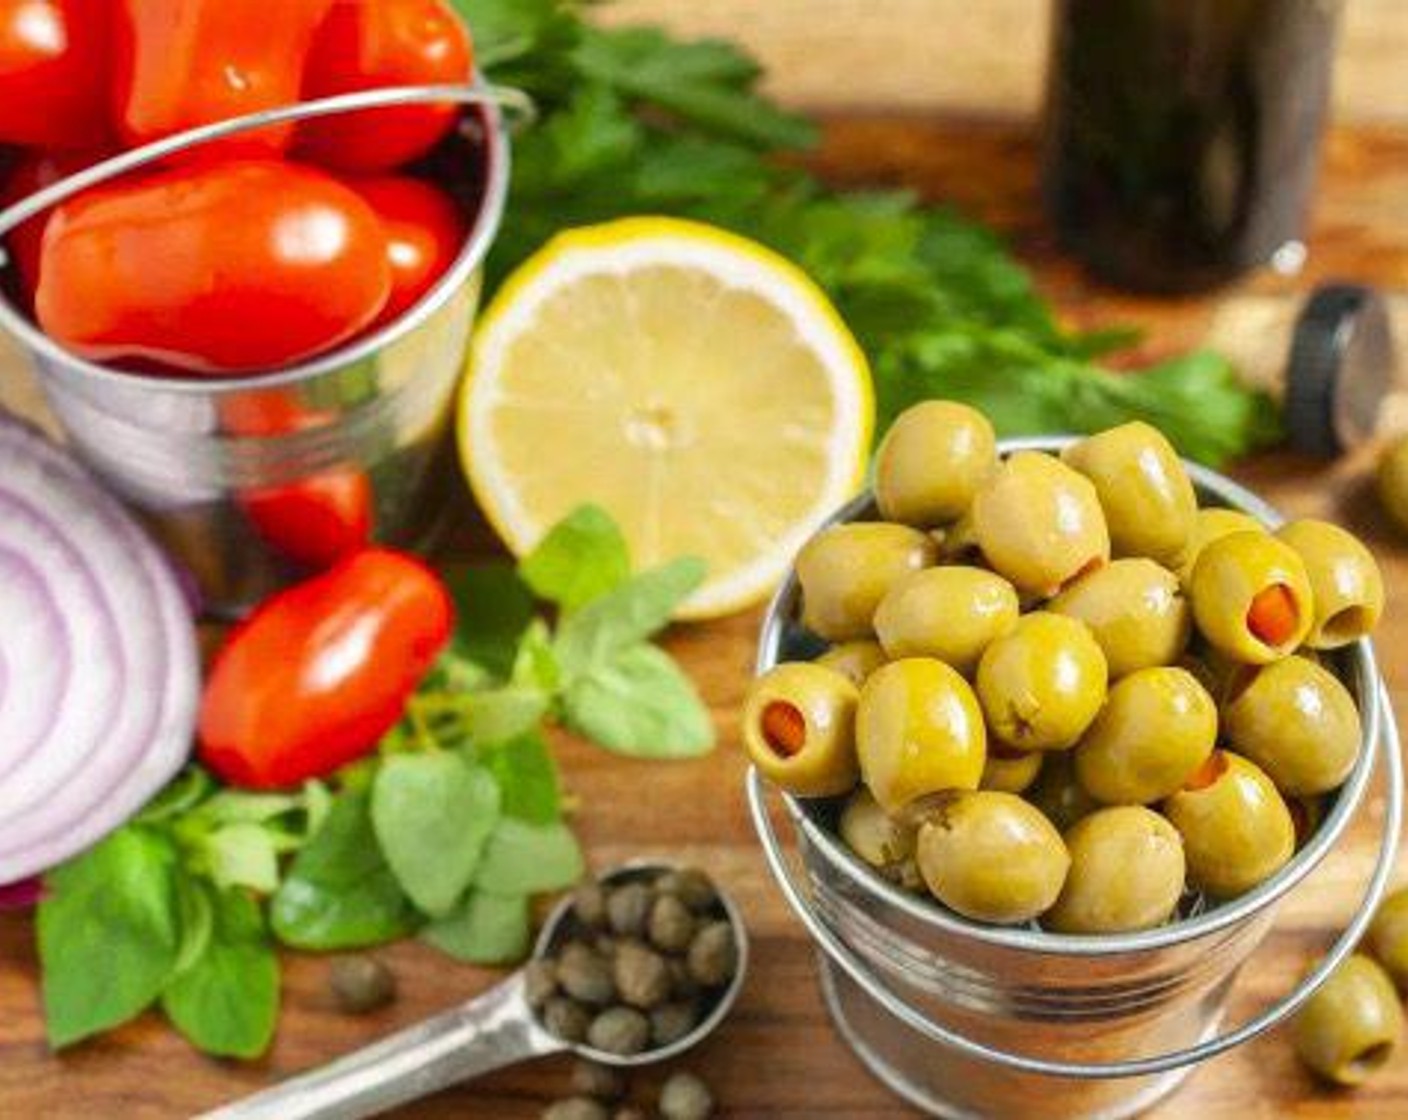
pixel 316 520
pixel 320 672
pixel 33 172
pixel 182 63
pixel 232 267
pixel 425 231
pixel 54 72
pixel 368 44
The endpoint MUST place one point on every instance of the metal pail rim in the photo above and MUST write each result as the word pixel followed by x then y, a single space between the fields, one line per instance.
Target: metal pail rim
pixel 490 100
pixel 1366 680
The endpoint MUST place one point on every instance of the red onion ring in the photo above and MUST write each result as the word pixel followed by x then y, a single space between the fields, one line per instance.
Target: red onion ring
pixel 99 674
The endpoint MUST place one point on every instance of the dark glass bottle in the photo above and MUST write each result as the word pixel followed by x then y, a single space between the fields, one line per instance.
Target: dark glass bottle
pixel 1182 136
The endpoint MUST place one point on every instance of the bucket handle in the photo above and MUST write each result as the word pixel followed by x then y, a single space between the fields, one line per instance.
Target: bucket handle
pixel 515 102
pixel 841 954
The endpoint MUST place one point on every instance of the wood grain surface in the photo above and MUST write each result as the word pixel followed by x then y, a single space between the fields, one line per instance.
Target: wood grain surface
pixel 777 1056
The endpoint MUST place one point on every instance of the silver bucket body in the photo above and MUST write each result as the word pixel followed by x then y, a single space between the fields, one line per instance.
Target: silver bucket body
pixel 968 1020
pixel 205 460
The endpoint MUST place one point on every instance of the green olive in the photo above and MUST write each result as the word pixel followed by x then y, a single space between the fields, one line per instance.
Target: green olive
pixel 1135 609
pixel 1297 722
pixel 1392 481
pixel 991 856
pixel 1010 771
pixel 1039 523
pixel 1158 726
pixel 1211 524
pixel 1251 597
pixel 918 731
pixel 878 838
pixel 1058 793
pixel 1350 1028
pixel 854 660
pixel 1345 582
pixel 1042 685
pixel 845 570
pixel 1148 500
pixel 931 463
pixel 1236 829
pixel 1388 937
pixel 1126 873
pixel 949 613
pixel 799 729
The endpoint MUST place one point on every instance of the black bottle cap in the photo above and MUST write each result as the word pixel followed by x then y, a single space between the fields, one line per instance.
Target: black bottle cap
pixel 1340 369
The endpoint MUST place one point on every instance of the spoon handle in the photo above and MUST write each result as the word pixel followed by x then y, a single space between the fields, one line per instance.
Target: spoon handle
pixel 492 1030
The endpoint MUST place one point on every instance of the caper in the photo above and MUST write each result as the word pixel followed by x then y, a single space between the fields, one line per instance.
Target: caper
pixel 585 974
pixel 589 904
pixel 713 955
pixel 685 1097
pixel 628 908
pixel 576 1108
pixel 691 886
pixel 670 1022
pixel 671 924
pixel 641 976
pixel 566 1018
pixel 361 984
pixel 592 1079
pixel 619 1030
pixel 539 981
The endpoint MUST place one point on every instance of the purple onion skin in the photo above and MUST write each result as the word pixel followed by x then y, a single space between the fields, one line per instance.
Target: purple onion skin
pixel 22 895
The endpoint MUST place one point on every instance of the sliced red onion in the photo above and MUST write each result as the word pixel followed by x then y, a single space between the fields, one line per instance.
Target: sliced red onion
pixel 22 895
pixel 99 676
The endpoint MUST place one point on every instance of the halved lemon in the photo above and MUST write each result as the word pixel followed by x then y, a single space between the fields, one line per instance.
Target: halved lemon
pixel 697 385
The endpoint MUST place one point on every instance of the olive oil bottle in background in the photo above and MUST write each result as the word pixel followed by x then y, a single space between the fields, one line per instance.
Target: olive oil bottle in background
pixel 1182 137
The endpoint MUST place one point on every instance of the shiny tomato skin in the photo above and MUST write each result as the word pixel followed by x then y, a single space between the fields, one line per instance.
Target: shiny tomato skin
pixel 368 44
pixel 54 64
pixel 183 63
pixel 425 231
pixel 313 521
pixel 35 171
pixel 321 671
pixel 227 268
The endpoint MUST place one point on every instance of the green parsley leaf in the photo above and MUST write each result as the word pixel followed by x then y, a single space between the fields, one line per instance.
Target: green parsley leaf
pixel 339 893
pixel 625 616
pixel 581 558
pixel 227 1002
pixel 492 608
pixel 486 928
pixel 433 813
pixel 109 934
pixel 639 703
pixel 708 82
pixel 527 859
pixel 527 777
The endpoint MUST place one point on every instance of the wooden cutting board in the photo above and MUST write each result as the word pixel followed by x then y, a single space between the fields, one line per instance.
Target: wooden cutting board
pixel 777 1057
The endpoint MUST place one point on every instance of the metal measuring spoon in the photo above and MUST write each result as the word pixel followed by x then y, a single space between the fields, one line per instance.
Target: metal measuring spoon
pixel 494 1029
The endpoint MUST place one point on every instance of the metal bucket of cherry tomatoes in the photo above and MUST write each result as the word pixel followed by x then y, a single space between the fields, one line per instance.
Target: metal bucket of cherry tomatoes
pixel 246 269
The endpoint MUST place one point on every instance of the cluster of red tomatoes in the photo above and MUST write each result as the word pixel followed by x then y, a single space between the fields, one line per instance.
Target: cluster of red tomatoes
pixel 253 252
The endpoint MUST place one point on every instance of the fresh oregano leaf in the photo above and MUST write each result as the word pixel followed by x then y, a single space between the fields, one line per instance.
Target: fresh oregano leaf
pixel 497 714
pixel 581 558
pixel 527 777
pixel 227 1002
pixel 243 854
pixel 640 704
pixel 485 928
pixel 109 934
pixel 632 612
pixel 433 813
pixel 524 858
pixel 187 790
pixel 339 892
pixel 195 916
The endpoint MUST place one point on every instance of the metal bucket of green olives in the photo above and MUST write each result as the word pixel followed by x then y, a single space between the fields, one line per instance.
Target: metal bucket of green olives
pixel 968 1019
